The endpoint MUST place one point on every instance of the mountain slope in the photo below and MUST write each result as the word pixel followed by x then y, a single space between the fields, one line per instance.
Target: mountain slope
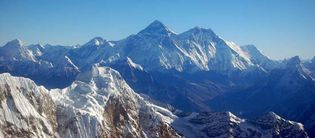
pixel 290 91
pixel 51 62
pixel 100 104
pixel 156 48
pixel 258 58
pixel 92 52
pixel 226 124
pixel 211 52
pixel 26 109
pixel 100 99
pixel 310 65
pixel 196 49
pixel 14 50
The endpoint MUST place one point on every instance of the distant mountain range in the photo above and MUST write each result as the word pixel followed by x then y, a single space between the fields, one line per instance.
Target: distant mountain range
pixel 155 83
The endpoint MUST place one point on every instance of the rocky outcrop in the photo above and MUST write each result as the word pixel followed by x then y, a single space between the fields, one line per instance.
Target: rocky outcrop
pixel 226 124
pixel 101 104
pixel 26 109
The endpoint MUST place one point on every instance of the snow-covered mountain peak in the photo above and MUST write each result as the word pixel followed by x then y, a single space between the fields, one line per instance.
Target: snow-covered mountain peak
pixel 15 50
pixel 199 30
pixel 15 43
pixel 257 57
pixel 79 111
pixel 101 101
pixel 294 74
pixel 250 47
pixel 156 28
pixel 199 34
pixel 96 72
pixel 293 62
pixel 195 49
pixel 92 89
pixel 97 41
pixel 252 51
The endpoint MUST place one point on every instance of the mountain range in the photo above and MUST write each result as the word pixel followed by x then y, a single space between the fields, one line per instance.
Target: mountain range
pixel 156 83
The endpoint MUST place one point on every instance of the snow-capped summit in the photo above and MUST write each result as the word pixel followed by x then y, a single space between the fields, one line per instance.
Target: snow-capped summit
pixel 103 107
pixel 253 52
pixel 97 41
pixel 198 33
pixel 92 52
pixel 156 28
pixel 15 43
pixel 194 50
pixel 293 62
pixel 100 103
pixel 294 73
pixel 211 52
pixel 15 50
pixel 295 69
pixel 257 57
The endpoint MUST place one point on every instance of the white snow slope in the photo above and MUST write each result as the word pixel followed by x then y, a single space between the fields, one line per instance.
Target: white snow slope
pixel 98 104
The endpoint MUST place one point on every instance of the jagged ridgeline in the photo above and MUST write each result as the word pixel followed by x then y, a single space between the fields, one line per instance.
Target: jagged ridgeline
pixel 156 83
pixel 99 103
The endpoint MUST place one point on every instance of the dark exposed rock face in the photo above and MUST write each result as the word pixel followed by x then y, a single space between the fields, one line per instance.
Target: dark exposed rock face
pixel 119 117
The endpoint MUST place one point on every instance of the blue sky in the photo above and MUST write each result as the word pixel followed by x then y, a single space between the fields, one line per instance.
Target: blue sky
pixel 280 28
